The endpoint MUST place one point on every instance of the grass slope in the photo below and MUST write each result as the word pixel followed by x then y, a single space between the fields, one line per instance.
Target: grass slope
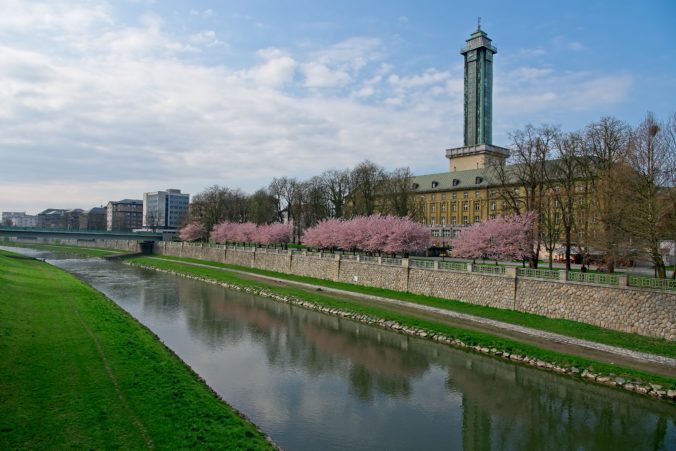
pixel 560 326
pixel 469 337
pixel 64 249
pixel 78 372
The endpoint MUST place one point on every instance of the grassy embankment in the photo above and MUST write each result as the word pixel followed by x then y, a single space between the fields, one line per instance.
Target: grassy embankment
pixel 65 249
pixel 78 372
pixel 629 341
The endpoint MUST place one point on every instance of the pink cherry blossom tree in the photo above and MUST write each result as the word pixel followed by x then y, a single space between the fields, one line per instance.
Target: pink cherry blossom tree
pixel 275 233
pixel 192 232
pixel 375 233
pixel 502 238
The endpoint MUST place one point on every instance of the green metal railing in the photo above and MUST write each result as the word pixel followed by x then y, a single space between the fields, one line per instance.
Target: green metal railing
pixel 391 261
pixel 428 264
pixel 455 266
pixel 603 279
pixel 538 273
pixel 488 269
pixel 651 282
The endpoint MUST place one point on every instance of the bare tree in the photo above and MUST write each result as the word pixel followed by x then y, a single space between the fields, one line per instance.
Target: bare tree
pixel 366 180
pixel 523 184
pixel 607 142
pixel 652 163
pixel 567 175
pixel 262 208
pixel 396 193
pixel 337 187
pixel 209 207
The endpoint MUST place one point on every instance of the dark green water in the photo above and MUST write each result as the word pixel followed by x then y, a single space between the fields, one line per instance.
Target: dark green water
pixel 317 382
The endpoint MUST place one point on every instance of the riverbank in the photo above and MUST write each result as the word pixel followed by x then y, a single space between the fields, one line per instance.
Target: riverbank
pixel 78 372
pixel 64 249
pixel 641 382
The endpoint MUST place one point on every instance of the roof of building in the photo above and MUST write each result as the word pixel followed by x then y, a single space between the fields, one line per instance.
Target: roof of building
pixel 458 180
pixel 96 211
pixel 471 178
pixel 127 201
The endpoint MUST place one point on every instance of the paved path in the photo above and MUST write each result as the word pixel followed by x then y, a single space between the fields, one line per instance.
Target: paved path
pixel 668 364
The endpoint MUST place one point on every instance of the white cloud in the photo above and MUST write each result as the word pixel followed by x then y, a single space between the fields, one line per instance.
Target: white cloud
pixel 57 16
pixel 278 69
pixel 206 38
pixel 318 75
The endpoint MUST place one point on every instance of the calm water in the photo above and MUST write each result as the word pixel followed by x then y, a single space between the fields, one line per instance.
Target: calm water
pixel 316 382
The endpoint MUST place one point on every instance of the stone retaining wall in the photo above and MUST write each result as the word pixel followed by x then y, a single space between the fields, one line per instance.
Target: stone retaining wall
pixel 482 289
pixel 643 311
pixel 634 310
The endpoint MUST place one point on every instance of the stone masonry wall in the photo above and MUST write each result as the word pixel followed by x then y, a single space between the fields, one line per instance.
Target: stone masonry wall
pixel 272 262
pixel 373 275
pixel 640 311
pixel 643 311
pixel 312 266
pixel 482 289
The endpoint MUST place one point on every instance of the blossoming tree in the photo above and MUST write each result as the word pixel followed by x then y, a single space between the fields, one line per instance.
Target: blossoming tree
pixel 192 232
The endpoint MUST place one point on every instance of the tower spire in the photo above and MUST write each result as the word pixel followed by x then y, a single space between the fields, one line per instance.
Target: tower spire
pixel 478 24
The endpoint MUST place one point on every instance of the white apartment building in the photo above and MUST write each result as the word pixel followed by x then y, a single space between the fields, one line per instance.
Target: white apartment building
pixel 19 219
pixel 165 209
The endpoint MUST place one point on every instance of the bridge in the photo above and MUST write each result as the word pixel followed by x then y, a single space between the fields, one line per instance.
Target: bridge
pixel 85 235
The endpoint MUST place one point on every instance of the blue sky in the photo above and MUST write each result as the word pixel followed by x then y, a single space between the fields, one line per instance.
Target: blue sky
pixel 105 100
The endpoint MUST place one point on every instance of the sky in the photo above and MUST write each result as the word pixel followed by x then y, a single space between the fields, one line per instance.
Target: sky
pixel 105 100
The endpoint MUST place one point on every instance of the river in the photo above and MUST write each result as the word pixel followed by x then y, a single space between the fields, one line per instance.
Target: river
pixel 317 382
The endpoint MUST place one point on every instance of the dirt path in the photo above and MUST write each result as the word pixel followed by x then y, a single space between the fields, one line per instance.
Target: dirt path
pixel 546 340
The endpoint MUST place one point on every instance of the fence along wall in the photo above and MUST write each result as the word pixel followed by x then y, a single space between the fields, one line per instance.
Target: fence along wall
pixel 643 311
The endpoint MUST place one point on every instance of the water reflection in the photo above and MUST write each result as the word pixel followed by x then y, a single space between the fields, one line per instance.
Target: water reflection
pixel 317 382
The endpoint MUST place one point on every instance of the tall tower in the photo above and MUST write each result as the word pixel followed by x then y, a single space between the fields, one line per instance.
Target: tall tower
pixel 478 150
pixel 478 55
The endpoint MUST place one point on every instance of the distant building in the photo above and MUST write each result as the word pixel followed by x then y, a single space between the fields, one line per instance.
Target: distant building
pixel 19 219
pixel 124 215
pixel 93 219
pixel 72 219
pixel 52 218
pixel 165 209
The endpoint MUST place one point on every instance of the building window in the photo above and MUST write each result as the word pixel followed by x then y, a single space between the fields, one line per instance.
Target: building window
pixel 464 220
pixel 443 196
pixel 432 221
pixel 443 220
pixel 443 207
pixel 433 196
pixel 465 207
pixel 477 194
pixel 433 208
pixel 447 232
pixel 516 192
pixel 465 194
pixel 454 207
pixel 493 205
pixel 453 220
pixel 493 193
pixel 454 196
pixel 477 206
pixel 435 232
pixel 477 218
pixel 492 216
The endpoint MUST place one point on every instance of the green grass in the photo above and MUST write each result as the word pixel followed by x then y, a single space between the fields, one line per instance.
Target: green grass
pixel 355 306
pixel 560 326
pixel 65 249
pixel 78 372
